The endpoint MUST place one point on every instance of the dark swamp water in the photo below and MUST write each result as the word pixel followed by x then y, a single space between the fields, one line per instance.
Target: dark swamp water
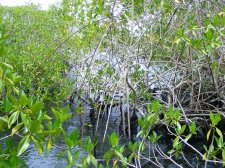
pixel 86 128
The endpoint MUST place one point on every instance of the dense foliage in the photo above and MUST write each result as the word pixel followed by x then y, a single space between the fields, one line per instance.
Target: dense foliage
pixel 30 46
pixel 166 55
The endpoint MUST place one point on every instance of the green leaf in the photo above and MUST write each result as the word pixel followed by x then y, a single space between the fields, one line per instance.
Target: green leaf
pixel 204 156
pixel 176 141
pixel 182 129
pixel 15 90
pixel 79 165
pixel 13 118
pixel 7 105
pixel 69 157
pixel 221 13
pixel 140 133
pixel 216 20
pixel 88 159
pixel 23 99
pixel 36 127
pixel 208 134
pixel 94 161
pixel 211 148
pixel 7 66
pixel 176 114
pixel 26 121
pixel 171 151
pixel 113 139
pixel 3 125
pixel 215 119
pixel 8 81
pixel 60 155
pixel 197 43
pixel 66 117
pixel 219 142
pixel 131 157
pixel 209 34
pixel 100 166
pixel 223 154
pixel 57 114
pixel 180 32
pixel 38 146
pixel 16 128
pixel 193 127
pixel 188 137
pixel 23 145
pixel 49 145
pixel 18 79
pixel 89 145
pixel 219 133
pixel 74 135
pixel 39 115
pixel 178 147
pixel 46 117
pixel 76 154
pixel 13 100
pixel 178 126
pixel 107 156
pixel 154 138
pixel 120 155
pixel 37 107
pixel 131 146
pixel 69 142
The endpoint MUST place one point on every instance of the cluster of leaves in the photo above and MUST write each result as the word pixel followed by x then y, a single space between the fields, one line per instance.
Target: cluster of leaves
pixel 24 116
pixel 31 44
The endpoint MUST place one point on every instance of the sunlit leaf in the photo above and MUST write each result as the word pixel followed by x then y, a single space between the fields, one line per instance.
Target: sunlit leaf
pixel 5 65
pixel 13 118
pixel 215 118
pixel 69 157
pixel 219 133
pixel 38 146
pixel 94 161
pixel 23 145
pixel 176 141
pixel 49 144
pixel 113 139
pixel 208 134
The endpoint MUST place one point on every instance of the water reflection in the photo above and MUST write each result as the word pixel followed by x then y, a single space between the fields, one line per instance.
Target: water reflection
pixel 34 160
